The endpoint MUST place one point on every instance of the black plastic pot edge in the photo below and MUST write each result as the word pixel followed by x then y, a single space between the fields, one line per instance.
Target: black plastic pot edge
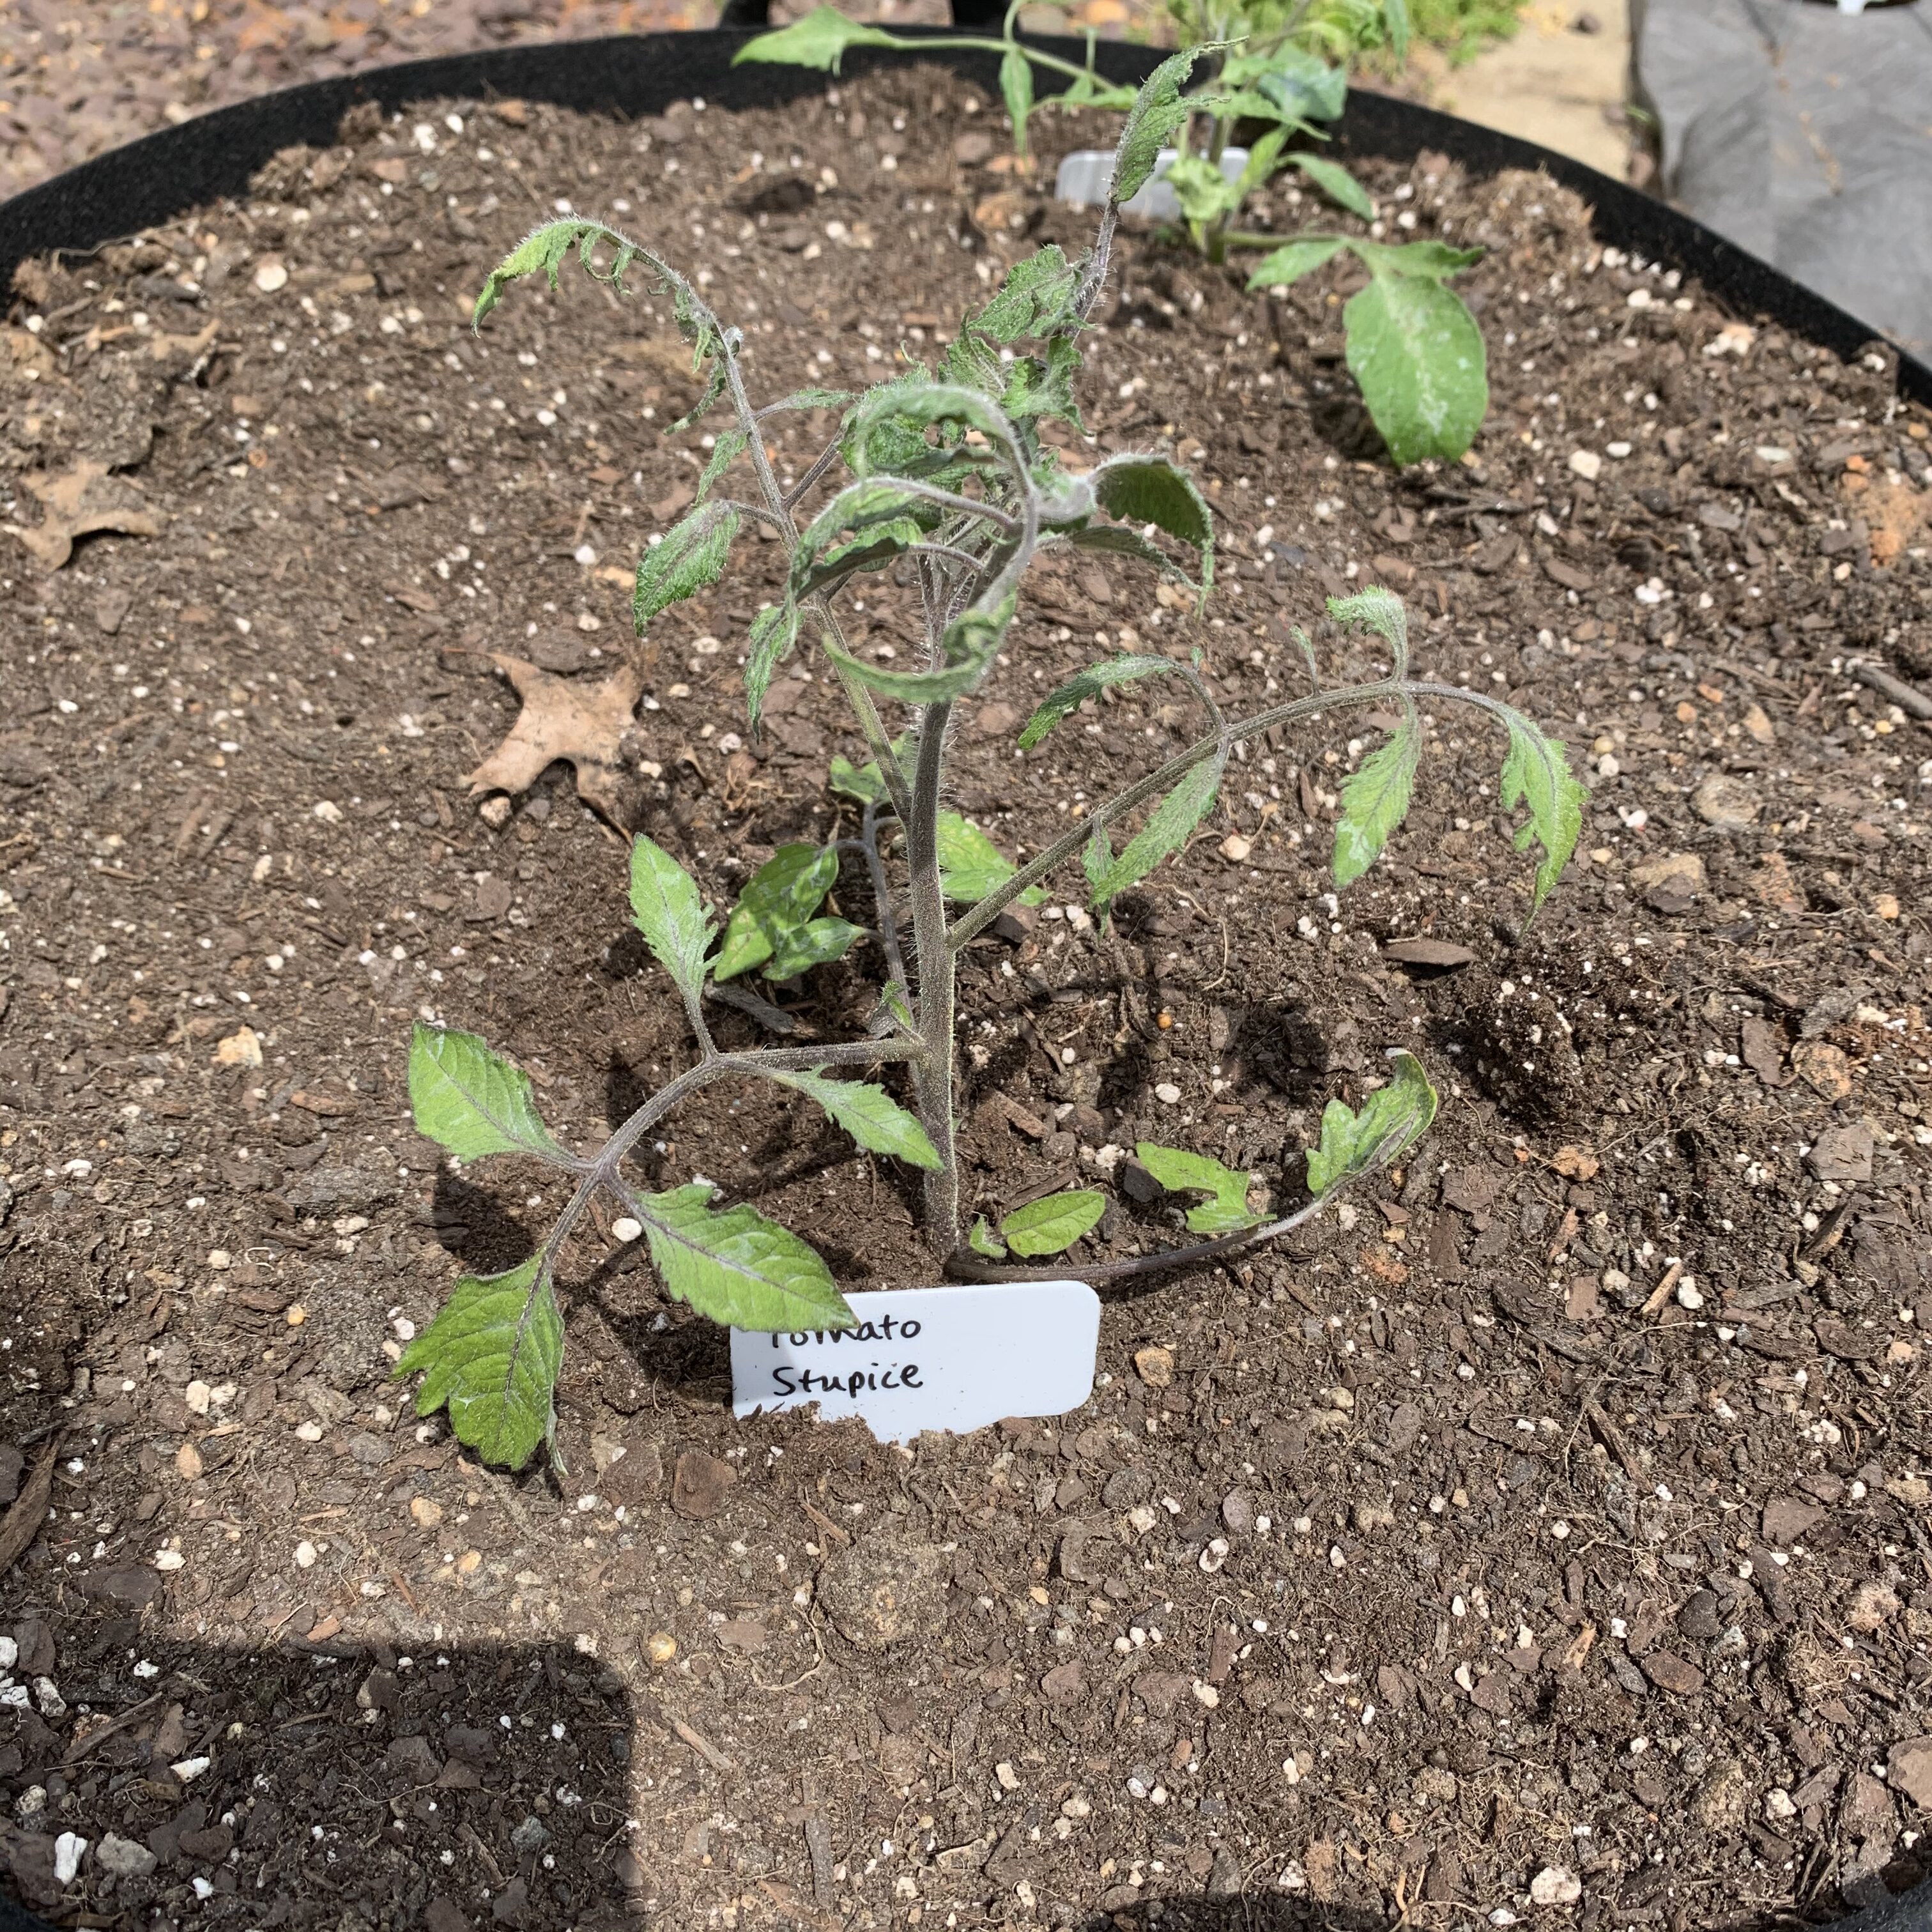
pixel 152 180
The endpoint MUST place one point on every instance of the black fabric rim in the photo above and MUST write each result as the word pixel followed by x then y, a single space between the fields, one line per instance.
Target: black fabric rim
pixel 155 179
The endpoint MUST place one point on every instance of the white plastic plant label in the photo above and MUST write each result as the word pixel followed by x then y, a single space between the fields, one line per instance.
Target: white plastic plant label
pixel 1084 176
pixel 957 1358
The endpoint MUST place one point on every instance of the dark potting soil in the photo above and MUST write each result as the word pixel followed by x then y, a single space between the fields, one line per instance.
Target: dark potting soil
pixel 1545 1533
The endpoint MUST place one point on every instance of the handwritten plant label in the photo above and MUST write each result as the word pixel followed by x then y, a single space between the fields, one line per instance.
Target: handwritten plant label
pixel 956 1358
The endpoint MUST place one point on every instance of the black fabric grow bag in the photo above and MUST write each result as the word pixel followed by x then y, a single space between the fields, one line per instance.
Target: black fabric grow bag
pixel 161 176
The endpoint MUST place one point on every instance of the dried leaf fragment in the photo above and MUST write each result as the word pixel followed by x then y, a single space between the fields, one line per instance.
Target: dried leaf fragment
pixel 563 719
pixel 85 499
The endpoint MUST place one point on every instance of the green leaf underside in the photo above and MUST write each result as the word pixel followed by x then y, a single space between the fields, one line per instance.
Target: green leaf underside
pixel 1157 112
pixel 691 555
pixel 1375 801
pixel 869 1115
pixel 471 1101
pixel 541 252
pixel 668 911
pixel 777 904
pixel 819 41
pixel 1036 298
pixel 1337 184
pixel 774 633
pixel 817 943
pixel 1061 704
pixel 970 866
pixel 1166 830
pixel 492 1355
pixel 1290 263
pixel 737 1267
pixel 1537 776
pixel 1391 1119
pixel 1226 1213
pixel 980 1239
pixel 1418 356
pixel 1150 489
pixel 1051 1225
pixel 970 642
pixel 1378 610
pixel 732 445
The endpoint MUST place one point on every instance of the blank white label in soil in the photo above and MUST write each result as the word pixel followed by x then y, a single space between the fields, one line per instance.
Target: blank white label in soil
pixel 956 1358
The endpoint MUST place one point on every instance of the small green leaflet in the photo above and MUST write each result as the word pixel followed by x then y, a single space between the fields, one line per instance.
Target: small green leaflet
pixel 971 641
pixel 1337 184
pixel 1419 358
pixel 542 251
pixel 1034 298
pixel 1150 489
pixel 1016 90
pixel 1375 801
pixel 819 41
pixel 816 942
pixel 1165 831
pixel 1227 1213
pixel 666 907
pixel 980 1239
pixel 808 399
pixel 1202 191
pixel 1157 112
pixel 774 632
pixel 471 1101
pixel 1392 1118
pixel 492 1354
pixel 737 1267
pixel 691 555
pixel 865 784
pixel 868 1114
pixel 1043 386
pixel 1088 90
pixel 1122 541
pixel 1537 776
pixel 1052 1225
pixel 1380 610
pixel 970 866
pixel 775 905
pixel 732 445
pixel 1090 683
pixel 1299 85
pixel 915 406
pixel 1289 264
pixel 1431 261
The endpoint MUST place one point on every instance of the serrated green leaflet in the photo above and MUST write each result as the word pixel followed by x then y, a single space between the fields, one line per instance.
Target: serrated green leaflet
pixel 1016 90
pixel 492 1355
pixel 1200 190
pixel 1375 801
pixel 776 905
pixel 1123 542
pixel 1226 1213
pixel 1430 261
pixel 1090 683
pixel 970 866
pixel 1381 611
pixel 915 406
pixel 1165 831
pixel 1157 112
pixel 819 41
pixel 1036 297
pixel 1391 1119
pixel 865 784
pixel 859 509
pixel 774 631
pixel 1537 776
pixel 737 1267
pixel 1291 262
pixel 869 1115
pixel 1418 356
pixel 809 399
pixel 1296 84
pixel 542 251
pixel 691 557
pixel 665 905
pixel 1051 1226
pixel 1043 386
pixel 471 1101
pixel 1338 184
pixel 1150 489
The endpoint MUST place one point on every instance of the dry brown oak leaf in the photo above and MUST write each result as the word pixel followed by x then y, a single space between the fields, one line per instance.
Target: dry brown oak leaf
pixel 85 499
pixel 563 717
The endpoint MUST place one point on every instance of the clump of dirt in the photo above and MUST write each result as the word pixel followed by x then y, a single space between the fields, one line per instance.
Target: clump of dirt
pixel 1546 1531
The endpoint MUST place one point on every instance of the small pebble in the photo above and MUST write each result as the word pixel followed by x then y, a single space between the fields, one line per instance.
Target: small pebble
pixel 270 274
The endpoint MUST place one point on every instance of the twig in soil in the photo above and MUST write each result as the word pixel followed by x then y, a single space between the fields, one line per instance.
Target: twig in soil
pixel 21 1523
pixel 648 1707
pixel 1908 698
pixel 85 1746
pixel 1660 1294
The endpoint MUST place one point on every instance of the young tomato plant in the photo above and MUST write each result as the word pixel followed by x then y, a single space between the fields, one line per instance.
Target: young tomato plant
pixel 949 495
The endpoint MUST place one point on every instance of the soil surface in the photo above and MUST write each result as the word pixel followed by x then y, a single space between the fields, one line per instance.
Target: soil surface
pixel 1544 1536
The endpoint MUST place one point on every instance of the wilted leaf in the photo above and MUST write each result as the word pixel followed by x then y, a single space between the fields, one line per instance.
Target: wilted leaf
pixel 1391 1118
pixel 1536 774
pixel 1227 1212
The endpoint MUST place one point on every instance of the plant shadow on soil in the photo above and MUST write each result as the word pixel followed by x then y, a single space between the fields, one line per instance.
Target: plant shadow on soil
pixel 332 1759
